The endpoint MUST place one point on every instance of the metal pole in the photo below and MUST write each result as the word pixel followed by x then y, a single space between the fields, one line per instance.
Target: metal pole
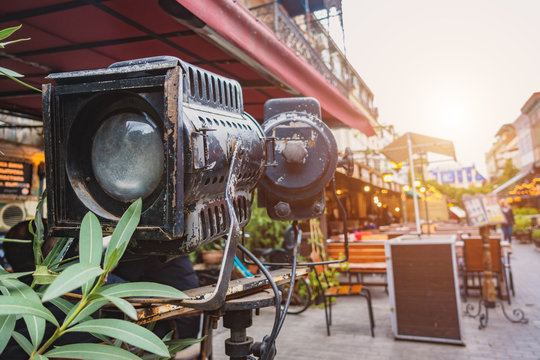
pixel 425 193
pixel 488 286
pixel 411 167
pixel 404 206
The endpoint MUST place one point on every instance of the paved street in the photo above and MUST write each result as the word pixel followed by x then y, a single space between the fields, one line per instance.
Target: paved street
pixel 304 336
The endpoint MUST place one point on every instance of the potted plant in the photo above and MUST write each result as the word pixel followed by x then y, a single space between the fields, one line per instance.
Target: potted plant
pixel 536 238
pixel 212 253
pixel 522 228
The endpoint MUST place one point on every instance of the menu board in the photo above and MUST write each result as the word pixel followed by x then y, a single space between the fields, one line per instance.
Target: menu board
pixel 424 288
pixel 483 210
pixel 15 178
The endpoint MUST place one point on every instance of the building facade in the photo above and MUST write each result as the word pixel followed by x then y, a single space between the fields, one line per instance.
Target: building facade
pixel 462 177
pixel 523 189
pixel 504 149
pixel 528 131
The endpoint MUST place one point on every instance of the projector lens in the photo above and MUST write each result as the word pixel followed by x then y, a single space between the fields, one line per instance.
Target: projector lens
pixel 127 156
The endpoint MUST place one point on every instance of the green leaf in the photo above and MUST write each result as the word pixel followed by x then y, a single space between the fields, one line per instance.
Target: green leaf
pixel 103 338
pixel 14 275
pixel 180 344
pixel 174 346
pixel 70 279
pixel 40 357
pixel 35 325
pixel 38 223
pixel 16 305
pixel 36 329
pixel 58 251
pixel 142 289
pixel 123 305
pixel 88 310
pixel 64 305
pixel 6 43
pixel 91 352
pixel 18 288
pixel 168 336
pixel 10 73
pixel 109 264
pixel 5 33
pixel 126 331
pixel 23 342
pixel 90 244
pixel 123 232
pixel 7 325
pixel 43 276
pixel 17 240
pixel 90 240
pixel 64 264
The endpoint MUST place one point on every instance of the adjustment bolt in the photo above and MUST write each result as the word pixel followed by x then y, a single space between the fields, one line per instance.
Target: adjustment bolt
pixel 317 208
pixel 282 209
pixel 294 152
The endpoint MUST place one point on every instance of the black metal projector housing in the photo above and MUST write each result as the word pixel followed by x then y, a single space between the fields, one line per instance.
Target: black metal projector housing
pixel 155 128
pixel 306 158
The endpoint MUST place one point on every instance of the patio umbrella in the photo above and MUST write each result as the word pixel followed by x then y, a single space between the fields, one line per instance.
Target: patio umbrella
pixel 398 150
pixel 402 149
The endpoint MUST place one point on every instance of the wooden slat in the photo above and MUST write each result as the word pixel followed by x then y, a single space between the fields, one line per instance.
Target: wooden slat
pixel 332 291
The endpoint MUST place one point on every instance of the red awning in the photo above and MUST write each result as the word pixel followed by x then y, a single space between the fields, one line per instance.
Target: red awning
pixel 237 25
pixel 75 35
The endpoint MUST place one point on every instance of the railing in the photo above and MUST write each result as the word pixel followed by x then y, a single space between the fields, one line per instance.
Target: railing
pixel 319 49
pixel 22 131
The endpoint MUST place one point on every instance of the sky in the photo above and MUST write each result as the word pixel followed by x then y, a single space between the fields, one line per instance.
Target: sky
pixel 456 69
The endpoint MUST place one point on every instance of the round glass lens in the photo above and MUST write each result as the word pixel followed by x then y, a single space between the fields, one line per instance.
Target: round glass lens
pixel 127 156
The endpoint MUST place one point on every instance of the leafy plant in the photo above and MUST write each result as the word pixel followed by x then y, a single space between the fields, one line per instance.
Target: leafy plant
pixel 89 273
pixel 455 194
pixel 263 231
pixel 525 211
pixel 4 34
pixel 326 279
pixel 536 234
pixel 522 223
pixel 323 277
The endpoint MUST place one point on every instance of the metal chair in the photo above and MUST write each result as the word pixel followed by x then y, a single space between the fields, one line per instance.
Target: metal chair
pixel 349 289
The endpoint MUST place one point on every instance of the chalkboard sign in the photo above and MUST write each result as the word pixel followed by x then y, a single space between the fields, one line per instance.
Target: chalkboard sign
pixel 423 288
pixel 15 177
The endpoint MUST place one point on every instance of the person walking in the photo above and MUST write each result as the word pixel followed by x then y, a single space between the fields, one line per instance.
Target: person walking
pixel 508 221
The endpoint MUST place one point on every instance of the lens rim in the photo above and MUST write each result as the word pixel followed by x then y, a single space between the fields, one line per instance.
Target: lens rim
pixel 81 135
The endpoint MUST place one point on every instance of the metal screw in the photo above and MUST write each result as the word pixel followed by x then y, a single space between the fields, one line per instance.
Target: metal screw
pixel 282 209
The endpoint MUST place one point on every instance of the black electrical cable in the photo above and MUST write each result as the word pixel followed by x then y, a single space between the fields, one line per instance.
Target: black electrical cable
pixel 270 280
pixel 345 238
pixel 293 276
pixel 279 319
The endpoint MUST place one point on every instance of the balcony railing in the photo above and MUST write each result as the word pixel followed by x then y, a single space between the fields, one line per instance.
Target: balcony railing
pixel 319 49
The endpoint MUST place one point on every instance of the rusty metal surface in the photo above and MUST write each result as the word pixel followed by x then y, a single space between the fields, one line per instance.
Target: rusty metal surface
pixel 149 310
pixel 258 300
pixel 201 117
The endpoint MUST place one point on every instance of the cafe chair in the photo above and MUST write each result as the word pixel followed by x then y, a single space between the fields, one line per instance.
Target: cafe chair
pixel 473 266
pixel 347 290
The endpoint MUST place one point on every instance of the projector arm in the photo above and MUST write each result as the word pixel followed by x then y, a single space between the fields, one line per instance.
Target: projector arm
pixel 216 299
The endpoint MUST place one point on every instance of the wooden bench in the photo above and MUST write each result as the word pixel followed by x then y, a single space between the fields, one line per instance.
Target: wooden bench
pixel 365 257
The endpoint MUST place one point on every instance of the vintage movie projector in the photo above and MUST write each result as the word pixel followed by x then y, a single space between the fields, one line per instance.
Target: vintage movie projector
pixel 177 136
